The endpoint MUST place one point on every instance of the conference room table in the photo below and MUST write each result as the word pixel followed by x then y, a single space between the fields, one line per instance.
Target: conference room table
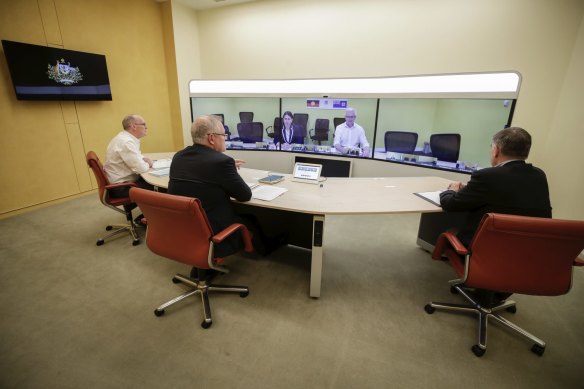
pixel 303 209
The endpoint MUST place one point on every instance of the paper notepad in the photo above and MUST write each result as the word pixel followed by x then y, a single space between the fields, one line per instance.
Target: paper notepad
pixel 267 192
pixel 433 197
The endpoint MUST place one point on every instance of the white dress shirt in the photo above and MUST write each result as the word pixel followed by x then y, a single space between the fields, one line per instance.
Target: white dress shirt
pixel 123 160
pixel 350 136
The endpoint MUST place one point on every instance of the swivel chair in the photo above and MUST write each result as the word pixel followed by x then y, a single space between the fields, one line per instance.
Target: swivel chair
pixel 300 123
pixel 250 132
pixel 401 141
pixel 122 205
pixel 178 229
pixel 445 147
pixel 321 131
pixel 222 119
pixel 510 254
pixel 276 128
pixel 246 117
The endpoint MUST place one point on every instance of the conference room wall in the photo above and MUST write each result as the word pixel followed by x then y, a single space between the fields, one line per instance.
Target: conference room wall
pixel 43 143
pixel 372 38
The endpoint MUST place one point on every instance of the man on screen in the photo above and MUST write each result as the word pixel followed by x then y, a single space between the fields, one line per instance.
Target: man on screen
pixel 350 137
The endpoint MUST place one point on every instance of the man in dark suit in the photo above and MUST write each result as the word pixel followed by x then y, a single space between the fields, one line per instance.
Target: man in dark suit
pixel 510 186
pixel 204 172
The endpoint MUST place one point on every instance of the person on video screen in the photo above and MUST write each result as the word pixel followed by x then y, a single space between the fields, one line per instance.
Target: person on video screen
pixel 287 135
pixel 350 137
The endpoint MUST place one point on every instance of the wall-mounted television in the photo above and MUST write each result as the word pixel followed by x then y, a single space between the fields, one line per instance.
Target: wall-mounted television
pixel 49 73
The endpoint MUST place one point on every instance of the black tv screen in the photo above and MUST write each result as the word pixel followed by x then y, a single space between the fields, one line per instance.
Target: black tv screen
pixel 48 73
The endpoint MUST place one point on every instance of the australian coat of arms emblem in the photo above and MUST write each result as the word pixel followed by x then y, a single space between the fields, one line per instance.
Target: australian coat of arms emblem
pixel 64 73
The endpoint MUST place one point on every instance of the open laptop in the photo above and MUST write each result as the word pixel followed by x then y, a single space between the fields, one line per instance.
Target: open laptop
pixel 306 172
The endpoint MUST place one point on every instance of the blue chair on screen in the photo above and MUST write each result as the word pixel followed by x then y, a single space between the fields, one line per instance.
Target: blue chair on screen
pixel 445 147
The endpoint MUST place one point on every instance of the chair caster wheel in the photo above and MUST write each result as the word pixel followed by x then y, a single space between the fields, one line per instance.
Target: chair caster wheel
pixel 244 294
pixel 109 228
pixel 206 324
pixel 429 309
pixel 478 351
pixel 175 280
pixel 537 349
pixel 158 312
pixel 136 242
pixel 512 309
pixel 453 290
pixel 99 242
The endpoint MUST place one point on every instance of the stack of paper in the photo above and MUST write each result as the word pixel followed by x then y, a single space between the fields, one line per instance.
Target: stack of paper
pixel 267 192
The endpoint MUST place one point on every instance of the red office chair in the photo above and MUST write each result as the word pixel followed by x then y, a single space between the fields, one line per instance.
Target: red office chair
pixel 178 229
pixel 511 254
pixel 123 205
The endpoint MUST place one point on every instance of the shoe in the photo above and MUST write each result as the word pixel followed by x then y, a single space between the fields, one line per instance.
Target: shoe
pixel 139 221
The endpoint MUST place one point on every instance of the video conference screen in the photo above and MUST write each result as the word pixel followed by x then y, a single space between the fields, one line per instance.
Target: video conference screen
pixel 445 134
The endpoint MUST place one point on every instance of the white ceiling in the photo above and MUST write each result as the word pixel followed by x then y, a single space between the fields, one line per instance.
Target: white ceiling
pixel 206 4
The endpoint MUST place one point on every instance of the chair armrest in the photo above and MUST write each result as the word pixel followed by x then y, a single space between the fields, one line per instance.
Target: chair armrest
pixel 267 128
pixel 121 185
pixel 219 237
pixel 448 240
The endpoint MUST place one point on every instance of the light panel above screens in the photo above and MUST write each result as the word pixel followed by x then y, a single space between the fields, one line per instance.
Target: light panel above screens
pixel 496 85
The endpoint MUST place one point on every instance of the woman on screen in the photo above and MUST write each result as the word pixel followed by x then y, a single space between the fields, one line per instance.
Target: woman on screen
pixel 287 136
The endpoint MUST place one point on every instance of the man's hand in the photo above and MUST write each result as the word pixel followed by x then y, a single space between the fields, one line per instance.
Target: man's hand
pixel 148 161
pixel 239 162
pixel 456 186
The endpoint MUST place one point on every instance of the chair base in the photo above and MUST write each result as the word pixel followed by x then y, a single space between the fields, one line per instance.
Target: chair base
pixel 117 229
pixel 484 315
pixel 203 289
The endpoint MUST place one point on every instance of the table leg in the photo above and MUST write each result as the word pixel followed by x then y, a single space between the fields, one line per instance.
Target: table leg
pixel 317 254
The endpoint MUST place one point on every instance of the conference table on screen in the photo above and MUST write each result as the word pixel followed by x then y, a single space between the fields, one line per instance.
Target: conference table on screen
pixel 303 209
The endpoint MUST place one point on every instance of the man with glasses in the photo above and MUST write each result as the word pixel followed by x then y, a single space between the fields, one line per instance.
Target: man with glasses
pixel 203 171
pixel 350 137
pixel 123 160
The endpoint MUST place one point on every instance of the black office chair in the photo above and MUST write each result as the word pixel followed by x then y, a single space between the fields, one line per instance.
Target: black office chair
pixel 300 123
pixel 250 132
pixel 276 128
pixel 337 122
pixel 445 147
pixel 400 141
pixel 221 117
pixel 321 131
pixel 246 117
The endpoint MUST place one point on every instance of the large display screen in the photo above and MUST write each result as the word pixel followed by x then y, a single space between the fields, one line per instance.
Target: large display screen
pixel 438 133
pixel 48 73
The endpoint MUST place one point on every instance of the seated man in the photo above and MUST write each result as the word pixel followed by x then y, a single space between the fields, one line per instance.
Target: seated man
pixel 350 137
pixel 510 186
pixel 205 172
pixel 123 160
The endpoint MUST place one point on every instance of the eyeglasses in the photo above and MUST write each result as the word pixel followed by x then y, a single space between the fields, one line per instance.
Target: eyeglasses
pixel 350 117
pixel 217 133
pixel 141 124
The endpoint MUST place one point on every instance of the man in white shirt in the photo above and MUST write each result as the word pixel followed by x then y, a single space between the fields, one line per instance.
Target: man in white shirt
pixel 123 161
pixel 350 137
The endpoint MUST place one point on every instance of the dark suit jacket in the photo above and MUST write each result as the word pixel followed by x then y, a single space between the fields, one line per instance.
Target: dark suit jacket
pixel 212 177
pixel 516 188
pixel 297 136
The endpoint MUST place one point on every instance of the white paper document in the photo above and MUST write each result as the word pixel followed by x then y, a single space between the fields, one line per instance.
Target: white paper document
pixel 160 172
pixel 161 163
pixel 433 197
pixel 267 192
